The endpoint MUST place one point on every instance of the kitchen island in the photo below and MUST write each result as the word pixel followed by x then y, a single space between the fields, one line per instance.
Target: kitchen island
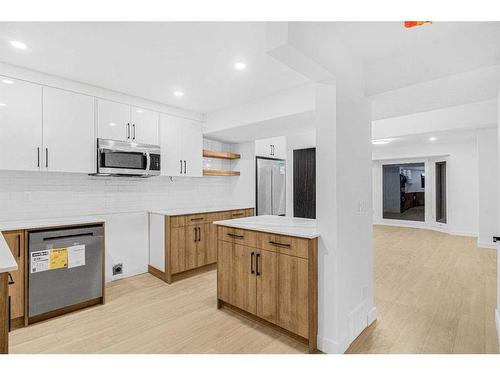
pixel 267 270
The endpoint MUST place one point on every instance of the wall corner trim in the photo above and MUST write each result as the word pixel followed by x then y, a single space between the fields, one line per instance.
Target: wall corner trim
pixel 372 316
pixel 497 321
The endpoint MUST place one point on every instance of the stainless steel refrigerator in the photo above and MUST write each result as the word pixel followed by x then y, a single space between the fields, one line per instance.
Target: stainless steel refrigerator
pixel 270 186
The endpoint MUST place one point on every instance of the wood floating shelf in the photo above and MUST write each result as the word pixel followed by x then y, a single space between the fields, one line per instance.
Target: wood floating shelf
pixel 219 172
pixel 220 155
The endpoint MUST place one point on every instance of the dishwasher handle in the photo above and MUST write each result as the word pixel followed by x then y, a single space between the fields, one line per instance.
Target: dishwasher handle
pixel 68 236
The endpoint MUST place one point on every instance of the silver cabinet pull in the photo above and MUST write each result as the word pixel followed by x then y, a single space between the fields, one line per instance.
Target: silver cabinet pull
pixel 46 157
pixel 181 166
pixel 128 130
pixel 38 156
pixel 133 127
pixel 184 167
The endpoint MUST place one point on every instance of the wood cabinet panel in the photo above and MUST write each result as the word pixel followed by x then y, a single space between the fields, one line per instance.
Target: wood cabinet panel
pixel 177 221
pixel 211 240
pixel 266 269
pixel 243 292
pixel 191 257
pixel 177 249
pixel 293 294
pixel 294 246
pixel 224 271
pixel 15 241
pixel 238 236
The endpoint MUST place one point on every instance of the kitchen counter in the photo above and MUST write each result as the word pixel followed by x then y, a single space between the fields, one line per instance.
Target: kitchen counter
pixel 289 226
pixel 197 210
pixel 48 222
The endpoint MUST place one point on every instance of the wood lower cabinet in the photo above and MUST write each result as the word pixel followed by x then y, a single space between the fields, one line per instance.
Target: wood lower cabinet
pixel 16 242
pixel 183 243
pixel 277 284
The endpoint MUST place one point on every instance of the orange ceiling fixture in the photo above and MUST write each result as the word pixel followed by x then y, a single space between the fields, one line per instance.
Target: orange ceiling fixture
pixel 410 24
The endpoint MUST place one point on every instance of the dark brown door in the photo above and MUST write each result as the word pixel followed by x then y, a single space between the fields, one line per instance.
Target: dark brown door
pixel 304 183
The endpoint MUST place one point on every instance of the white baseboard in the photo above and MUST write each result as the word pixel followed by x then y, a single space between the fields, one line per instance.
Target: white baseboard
pixel 486 245
pixel 464 234
pixel 497 321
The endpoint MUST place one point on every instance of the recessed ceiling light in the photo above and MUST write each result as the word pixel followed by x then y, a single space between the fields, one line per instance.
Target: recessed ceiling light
pixel 240 66
pixel 178 94
pixel 7 81
pixel 2 104
pixel 380 142
pixel 139 110
pixel 432 139
pixel 112 124
pixel 17 44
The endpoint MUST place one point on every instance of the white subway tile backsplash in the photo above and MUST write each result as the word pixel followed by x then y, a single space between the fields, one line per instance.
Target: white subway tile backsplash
pixel 35 194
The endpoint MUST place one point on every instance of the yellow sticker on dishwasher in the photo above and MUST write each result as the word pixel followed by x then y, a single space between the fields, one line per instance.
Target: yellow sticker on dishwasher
pixel 58 258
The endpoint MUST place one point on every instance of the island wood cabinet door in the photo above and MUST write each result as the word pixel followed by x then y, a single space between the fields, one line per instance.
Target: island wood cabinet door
pixel 266 272
pixel 15 241
pixel 293 294
pixel 243 280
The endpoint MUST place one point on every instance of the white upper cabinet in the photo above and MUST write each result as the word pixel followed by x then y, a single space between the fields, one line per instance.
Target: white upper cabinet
pixel 69 143
pixel 113 120
pixel 20 125
pixel 192 148
pixel 144 126
pixel 181 143
pixel 271 147
pixel 123 122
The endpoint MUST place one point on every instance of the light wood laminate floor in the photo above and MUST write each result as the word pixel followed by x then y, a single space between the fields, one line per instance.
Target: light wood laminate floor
pixel 435 293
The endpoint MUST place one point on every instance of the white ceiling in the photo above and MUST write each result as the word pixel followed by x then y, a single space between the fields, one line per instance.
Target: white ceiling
pixel 151 60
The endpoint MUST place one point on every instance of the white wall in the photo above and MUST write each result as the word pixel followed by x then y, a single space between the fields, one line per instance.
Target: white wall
pixel 295 142
pixel 487 170
pixel 463 196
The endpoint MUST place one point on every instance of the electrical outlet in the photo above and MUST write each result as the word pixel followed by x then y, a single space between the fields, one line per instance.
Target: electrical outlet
pixel 118 269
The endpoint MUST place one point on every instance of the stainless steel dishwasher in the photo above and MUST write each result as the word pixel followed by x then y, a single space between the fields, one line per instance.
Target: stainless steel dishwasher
pixel 65 270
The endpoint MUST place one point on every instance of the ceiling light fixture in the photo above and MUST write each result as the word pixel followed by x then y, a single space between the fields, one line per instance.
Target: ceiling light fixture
pixel 17 44
pixel 139 110
pixel 2 104
pixel 240 66
pixel 432 139
pixel 380 141
pixel 7 81
pixel 178 94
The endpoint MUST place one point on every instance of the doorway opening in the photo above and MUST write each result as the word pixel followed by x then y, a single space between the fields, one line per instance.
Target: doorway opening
pixel 403 188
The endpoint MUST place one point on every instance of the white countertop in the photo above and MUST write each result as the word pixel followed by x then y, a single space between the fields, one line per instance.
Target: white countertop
pixel 7 261
pixel 290 226
pixel 197 210
pixel 48 222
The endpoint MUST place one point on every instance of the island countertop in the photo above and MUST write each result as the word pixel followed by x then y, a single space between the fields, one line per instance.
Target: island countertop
pixel 288 226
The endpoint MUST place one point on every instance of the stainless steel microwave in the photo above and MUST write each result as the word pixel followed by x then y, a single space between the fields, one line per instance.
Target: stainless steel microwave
pixel 118 158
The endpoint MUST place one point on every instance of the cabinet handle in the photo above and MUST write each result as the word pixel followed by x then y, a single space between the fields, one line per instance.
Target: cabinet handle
pixel 239 214
pixel 133 128
pixel 235 235
pixel 128 130
pixel 279 244
pixel 184 167
pixel 11 280
pixel 257 272
pixel 199 234
pixel 10 313
pixel 46 157
pixel 251 263
pixel 38 156
pixel 19 246
pixel 181 166
pixel 195 234
pixel 197 218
